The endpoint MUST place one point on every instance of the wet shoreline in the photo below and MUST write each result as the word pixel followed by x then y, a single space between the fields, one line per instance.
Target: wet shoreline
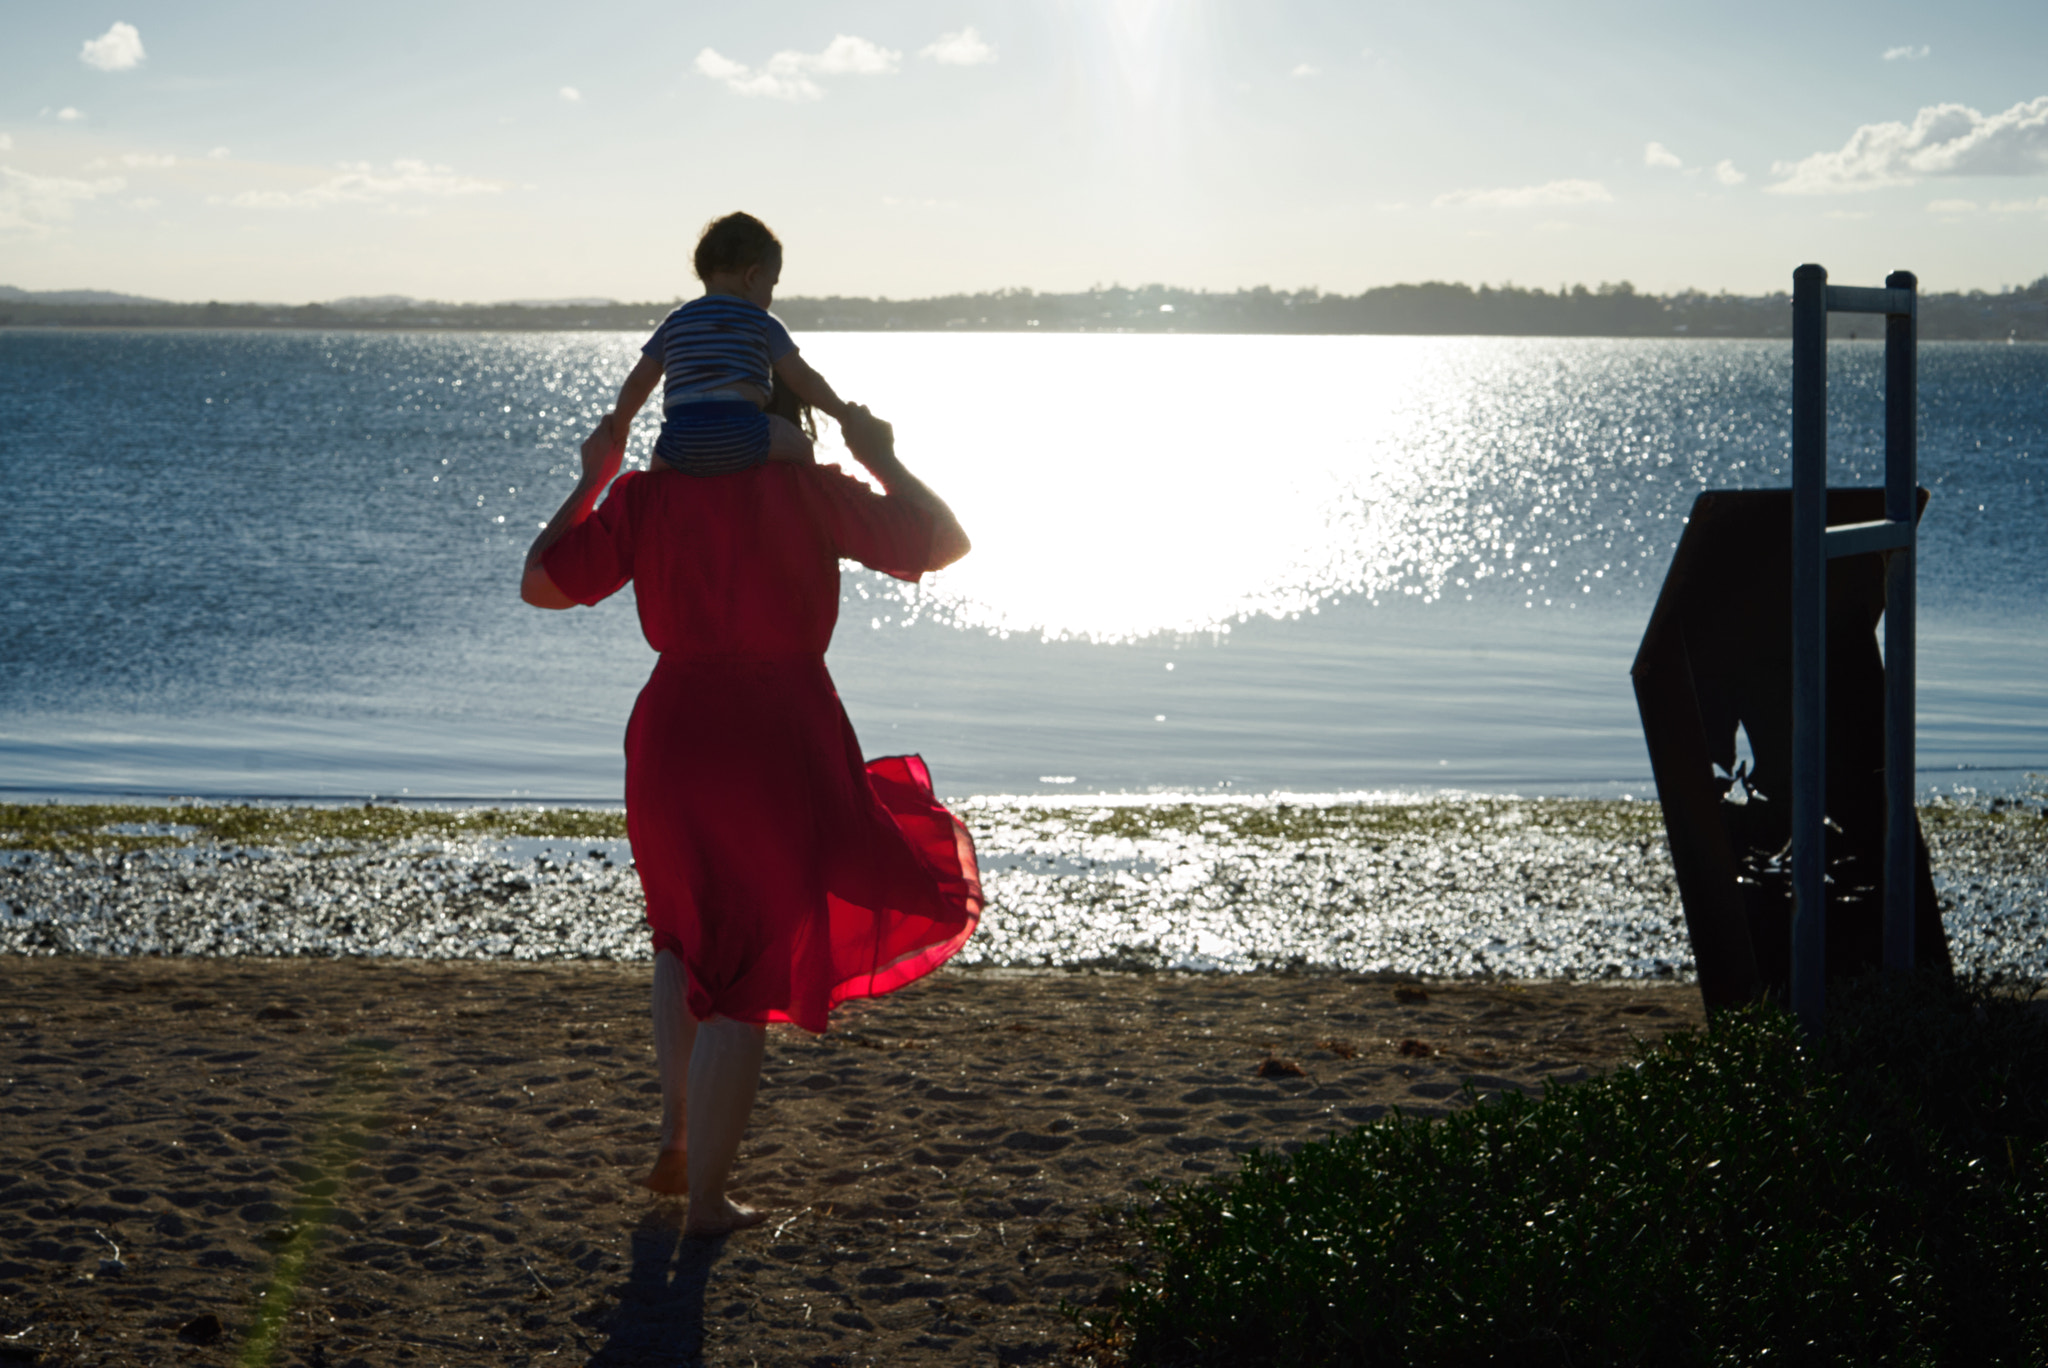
pixel 1459 887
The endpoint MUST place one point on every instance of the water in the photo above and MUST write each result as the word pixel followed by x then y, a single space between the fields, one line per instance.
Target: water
pixel 285 565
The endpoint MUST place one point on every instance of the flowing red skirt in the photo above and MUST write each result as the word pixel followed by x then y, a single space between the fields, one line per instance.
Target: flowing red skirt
pixel 785 872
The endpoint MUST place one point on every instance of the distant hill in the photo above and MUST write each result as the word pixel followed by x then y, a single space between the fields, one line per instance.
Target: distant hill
pixel 10 295
pixel 1432 308
pixel 381 304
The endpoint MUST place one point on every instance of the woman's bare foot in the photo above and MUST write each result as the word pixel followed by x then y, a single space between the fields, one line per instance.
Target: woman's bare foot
pixel 671 1174
pixel 706 1222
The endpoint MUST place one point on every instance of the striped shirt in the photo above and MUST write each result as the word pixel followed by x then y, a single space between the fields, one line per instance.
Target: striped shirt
pixel 715 342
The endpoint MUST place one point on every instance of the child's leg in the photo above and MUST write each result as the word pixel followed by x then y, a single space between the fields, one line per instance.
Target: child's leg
pixel 786 441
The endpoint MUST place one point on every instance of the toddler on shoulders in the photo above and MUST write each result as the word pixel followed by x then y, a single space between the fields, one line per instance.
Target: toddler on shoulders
pixel 719 357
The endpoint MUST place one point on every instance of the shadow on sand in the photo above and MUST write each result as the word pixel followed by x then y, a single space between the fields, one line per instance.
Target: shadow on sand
pixel 659 1318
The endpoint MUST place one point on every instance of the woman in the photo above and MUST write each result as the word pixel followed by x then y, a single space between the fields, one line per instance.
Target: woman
pixel 782 875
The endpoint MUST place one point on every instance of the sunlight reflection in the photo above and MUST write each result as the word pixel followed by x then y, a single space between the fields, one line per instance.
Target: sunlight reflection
pixel 1116 490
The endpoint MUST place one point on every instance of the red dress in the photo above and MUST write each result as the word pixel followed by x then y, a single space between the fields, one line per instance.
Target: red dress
pixel 786 874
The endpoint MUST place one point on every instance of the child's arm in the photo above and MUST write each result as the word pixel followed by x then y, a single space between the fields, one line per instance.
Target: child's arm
pixel 634 393
pixel 792 370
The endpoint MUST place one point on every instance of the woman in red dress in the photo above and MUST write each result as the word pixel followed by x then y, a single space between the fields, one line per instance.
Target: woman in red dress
pixel 782 874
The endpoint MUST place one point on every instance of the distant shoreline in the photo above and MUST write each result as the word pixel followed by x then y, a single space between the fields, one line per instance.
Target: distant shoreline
pixel 1431 309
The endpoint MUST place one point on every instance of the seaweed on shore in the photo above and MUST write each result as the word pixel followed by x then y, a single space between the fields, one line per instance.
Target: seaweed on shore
pixel 54 827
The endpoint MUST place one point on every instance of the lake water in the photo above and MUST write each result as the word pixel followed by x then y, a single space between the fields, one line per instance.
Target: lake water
pixel 285 564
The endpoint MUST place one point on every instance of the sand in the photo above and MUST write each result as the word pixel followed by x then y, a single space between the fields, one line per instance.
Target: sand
pixel 370 1162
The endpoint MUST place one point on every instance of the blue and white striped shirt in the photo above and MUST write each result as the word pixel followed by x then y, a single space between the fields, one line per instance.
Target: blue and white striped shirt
pixel 717 341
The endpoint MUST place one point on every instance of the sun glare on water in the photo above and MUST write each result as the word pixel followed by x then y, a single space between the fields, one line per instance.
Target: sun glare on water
pixel 1115 490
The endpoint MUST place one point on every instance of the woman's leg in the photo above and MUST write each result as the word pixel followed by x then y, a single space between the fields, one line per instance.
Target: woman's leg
pixel 786 441
pixel 675 1039
pixel 725 1069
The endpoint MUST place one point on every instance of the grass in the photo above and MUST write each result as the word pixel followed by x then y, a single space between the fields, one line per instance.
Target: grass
pixel 1879 1195
pixel 1364 822
pixel 53 827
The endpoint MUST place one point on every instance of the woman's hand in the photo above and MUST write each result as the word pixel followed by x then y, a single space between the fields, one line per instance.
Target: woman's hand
pixel 873 443
pixel 869 438
pixel 603 450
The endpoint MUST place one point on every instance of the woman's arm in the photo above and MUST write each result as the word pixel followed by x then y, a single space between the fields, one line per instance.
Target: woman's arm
pixel 873 444
pixel 603 449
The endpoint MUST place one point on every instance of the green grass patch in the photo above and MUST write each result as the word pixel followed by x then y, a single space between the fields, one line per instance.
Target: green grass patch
pixel 1744 1196
pixel 1367 822
pixel 139 826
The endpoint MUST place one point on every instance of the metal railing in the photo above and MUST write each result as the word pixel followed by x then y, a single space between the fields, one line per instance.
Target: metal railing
pixel 1814 543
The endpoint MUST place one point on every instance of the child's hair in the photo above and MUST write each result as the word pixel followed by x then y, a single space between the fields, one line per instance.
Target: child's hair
pixel 783 403
pixel 734 243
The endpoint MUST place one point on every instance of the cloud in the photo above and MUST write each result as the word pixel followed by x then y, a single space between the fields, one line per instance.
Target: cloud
pixel 571 94
pixel 118 49
pixel 218 154
pixel 1952 206
pixel 2032 206
pixel 361 183
pixel 69 115
pixel 1909 53
pixel 1657 154
pixel 1942 140
pixel 964 48
pixel 1306 70
pixel 139 160
pixel 36 204
pixel 6 142
pixel 1527 197
pixel 846 56
pixel 1725 172
pixel 787 75
pixel 744 80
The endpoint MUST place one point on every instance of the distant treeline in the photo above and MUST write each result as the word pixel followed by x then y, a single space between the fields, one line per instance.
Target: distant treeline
pixel 1433 308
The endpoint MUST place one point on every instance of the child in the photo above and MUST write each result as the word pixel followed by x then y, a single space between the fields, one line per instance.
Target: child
pixel 719 356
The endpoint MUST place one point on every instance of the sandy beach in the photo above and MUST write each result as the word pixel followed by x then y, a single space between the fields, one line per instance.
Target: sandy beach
pixel 433 1163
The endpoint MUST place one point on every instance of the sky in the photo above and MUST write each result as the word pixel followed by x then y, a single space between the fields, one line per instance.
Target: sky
pixel 238 150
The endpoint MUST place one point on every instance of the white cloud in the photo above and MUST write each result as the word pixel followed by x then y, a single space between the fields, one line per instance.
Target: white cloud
pixel 787 75
pixel 218 154
pixel 1952 206
pixel 69 115
pixel 744 80
pixel 1306 70
pixel 118 49
pixel 2032 206
pixel 6 142
pixel 1848 215
pixel 1527 196
pixel 363 184
pixel 1657 154
pixel 845 56
pixel 964 48
pixel 1908 53
pixel 1725 172
pixel 36 204
pixel 1942 140
pixel 571 94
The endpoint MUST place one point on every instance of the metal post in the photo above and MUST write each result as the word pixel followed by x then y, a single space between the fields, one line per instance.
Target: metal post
pixel 1809 642
pixel 1901 487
